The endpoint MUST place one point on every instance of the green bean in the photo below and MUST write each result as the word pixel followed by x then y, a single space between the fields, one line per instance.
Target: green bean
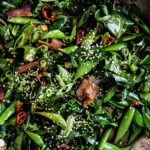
pixel 130 37
pixel 36 138
pixel 85 68
pixel 114 103
pixel 121 104
pixel 145 60
pixel 116 47
pixel 110 93
pixel 23 20
pixel 69 50
pixel 138 78
pixel 11 121
pixel 125 123
pixel 8 112
pixel 70 123
pixel 27 121
pixel 109 146
pixel 15 29
pixel 59 24
pixel 42 48
pixel 57 34
pixel 66 76
pixel 37 35
pixel 73 33
pixel 24 36
pixel 136 131
pixel 104 139
pixel 18 142
pixel 145 96
pixel 8 94
pixel 98 14
pixel 56 118
pixel 32 127
pixel 126 148
pixel 101 18
pixel 84 18
pixel 6 32
pixel 138 119
pixel 60 80
pixel 146 117
pixel 141 23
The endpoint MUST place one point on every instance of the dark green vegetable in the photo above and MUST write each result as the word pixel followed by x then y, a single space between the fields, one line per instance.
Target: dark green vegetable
pixel 126 120
pixel 54 34
pixel 36 138
pixel 141 24
pixel 146 117
pixel 109 146
pixel 76 76
pixel 66 76
pixel 23 20
pixel 138 118
pixel 111 92
pixel 85 68
pixel 7 113
pixel 116 47
pixel 136 131
pixel 24 36
pixel 58 119
pixel 18 142
pixel 130 37
pixel 104 139
pixel 69 50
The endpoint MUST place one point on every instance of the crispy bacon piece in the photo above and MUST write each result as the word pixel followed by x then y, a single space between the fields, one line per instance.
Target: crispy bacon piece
pixel 79 35
pixel 65 147
pixel 1 94
pixel 55 44
pixel 87 91
pixel 26 67
pixel 39 43
pixel 24 11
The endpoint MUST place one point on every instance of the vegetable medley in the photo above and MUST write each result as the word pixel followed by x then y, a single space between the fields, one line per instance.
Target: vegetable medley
pixel 74 75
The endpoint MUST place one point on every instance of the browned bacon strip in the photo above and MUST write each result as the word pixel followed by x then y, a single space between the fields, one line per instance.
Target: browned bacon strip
pixel 24 11
pixel 79 35
pixel 25 68
pixel 55 44
pixel 1 94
